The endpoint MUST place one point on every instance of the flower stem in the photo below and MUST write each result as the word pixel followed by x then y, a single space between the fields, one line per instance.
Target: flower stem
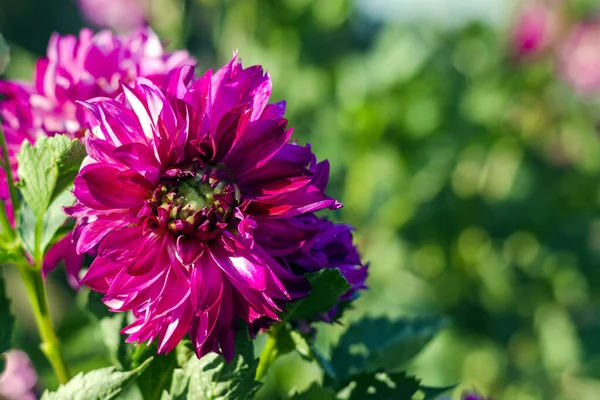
pixel 14 198
pixel 5 223
pixel 267 357
pixel 39 301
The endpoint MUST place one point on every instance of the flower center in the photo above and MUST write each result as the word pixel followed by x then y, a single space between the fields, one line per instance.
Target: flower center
pixel 202 201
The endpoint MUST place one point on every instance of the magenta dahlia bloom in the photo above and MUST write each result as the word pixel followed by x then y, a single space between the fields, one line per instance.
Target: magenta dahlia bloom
pixel 179 192
pixel 76 69
pixel 579 58
pixel 329 246
pixel 18 380
pixel 534 30
pixel 120 15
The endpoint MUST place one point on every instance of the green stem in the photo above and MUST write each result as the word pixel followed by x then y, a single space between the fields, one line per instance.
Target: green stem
pixel 38 252
pixel 267 357
pixel 39 301
pixel 6 227
pixel 8 171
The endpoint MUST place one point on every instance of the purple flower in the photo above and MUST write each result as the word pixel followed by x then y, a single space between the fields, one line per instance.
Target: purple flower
pixel 18 380
pixel 192 197
pixel 330 247
pixel 76 69
pixel 535 28
pixel 120 15
pixel 473 396
pixel 579 58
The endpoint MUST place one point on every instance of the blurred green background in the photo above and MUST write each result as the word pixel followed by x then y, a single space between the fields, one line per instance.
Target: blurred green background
pixel 472 177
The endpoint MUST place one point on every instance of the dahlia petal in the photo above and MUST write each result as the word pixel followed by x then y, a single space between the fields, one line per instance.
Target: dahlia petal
pixel 179 81
pixel 290 161
pixel 100 274
pixel 259 143
pixel 176 329
pixel 188 250
pixel 206 322
pixel 138 257
pixel 233 85
pixel 64 249
pixel 199 97
pixel 93 232
pixel 140 158
pixel 229 130
pixel 113 188
pixel 242 270
pixel 117 124
pixel 274 111
pixel 207 284
pixel 146 121
pixel 282 236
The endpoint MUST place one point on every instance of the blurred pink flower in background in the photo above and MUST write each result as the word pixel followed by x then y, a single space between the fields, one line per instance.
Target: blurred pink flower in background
pixel 120 15
pixel 534 30
pixel 18 380
pixel 579 58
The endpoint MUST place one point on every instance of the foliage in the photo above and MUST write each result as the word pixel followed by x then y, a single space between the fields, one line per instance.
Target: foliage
pixel 212 378
pixel 327 285
pixel 100 384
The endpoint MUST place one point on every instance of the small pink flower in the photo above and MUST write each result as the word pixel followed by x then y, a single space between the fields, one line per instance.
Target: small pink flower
pixel 579 58
pixel 120 15
pixel 534 30
pixel 18 380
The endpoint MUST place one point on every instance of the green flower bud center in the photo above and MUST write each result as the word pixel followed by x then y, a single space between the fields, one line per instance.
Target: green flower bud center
pixel 215 199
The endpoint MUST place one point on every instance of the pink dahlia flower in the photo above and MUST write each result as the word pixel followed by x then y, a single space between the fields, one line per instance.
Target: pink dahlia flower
pixel 580 57
pixel 178 192
pixel 535 28
pixel 18 380
pixel 73 70
pixel 120 15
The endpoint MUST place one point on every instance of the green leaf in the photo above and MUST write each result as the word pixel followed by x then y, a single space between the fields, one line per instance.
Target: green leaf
pixel 110 328
pixel 284 344
pixel 301 345
pixel 315 392
pixel 4 54
pixel 382 386
pixel 68 155
pixel 46 169
pixel 109 325
pixel 94 304
pixel 432 393
pixel 212 378
pixel 37 174
pixel 26 227
pixel 327 285
pixel 55 217
pixel 323 362
pixel 100 384
pixel 378 343
pixel 157 377
pixel 7 322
